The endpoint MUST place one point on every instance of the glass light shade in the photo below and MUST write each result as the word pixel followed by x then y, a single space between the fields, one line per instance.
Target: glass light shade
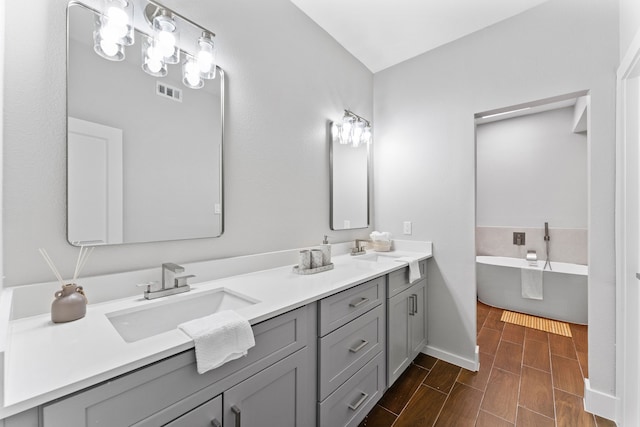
pixel 108 49
pixel 356 133
pixel 346 129
pixel 206 57
pixel 116 22
pixel 366 135
pixel 152 59
pixel 166 37
pixel 191 73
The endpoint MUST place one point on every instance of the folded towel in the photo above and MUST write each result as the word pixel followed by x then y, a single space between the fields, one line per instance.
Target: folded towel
pixel 531 283
pixel 414 268
pixel 219 338
pixel 378 236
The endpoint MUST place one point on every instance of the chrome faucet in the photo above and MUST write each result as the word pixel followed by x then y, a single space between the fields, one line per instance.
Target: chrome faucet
pixel 169 271
pixel 170 283
pixel 359 249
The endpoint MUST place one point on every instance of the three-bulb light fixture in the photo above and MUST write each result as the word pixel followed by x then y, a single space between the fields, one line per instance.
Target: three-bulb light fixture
pixel 353 130
pixel 114 29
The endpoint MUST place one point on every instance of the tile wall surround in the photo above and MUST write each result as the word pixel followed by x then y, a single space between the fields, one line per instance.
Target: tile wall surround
pixel 567 244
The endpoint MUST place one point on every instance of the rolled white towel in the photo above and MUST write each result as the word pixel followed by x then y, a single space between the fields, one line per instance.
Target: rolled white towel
pixel 378 236
pixel 219 338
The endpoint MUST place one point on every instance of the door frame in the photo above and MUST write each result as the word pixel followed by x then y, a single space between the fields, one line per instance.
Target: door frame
pixel 627 390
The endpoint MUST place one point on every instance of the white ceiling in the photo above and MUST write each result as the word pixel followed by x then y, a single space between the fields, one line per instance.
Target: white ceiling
pixel 382 33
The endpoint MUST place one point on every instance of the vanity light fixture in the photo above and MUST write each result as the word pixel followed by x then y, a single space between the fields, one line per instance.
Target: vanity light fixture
pixel 353 130
pixel 114 29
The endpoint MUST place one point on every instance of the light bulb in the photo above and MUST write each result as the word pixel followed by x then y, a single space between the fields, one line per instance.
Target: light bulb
pixel 166 43
pixel 117 16
pixel 357 133
pixel 205 59
pixel 366 135
pixel 191 74
pixel 109 47
pixel 116 22
pixel 113 32
pixel 153 64
pixel 154 53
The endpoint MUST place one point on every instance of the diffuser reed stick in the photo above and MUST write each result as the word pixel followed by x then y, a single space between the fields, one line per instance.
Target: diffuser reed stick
pixel 83 256
pixel 52 266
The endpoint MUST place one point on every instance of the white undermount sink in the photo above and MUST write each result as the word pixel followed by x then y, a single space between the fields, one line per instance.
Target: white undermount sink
pixel 377 257
pixel 137 323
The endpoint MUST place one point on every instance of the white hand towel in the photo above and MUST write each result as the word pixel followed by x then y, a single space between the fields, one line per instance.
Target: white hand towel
pixel 219 338
pixel 531 283
pixel 414 268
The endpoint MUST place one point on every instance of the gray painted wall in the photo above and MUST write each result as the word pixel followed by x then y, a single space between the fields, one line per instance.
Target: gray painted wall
pixel 531 170
pixel 285 79
pixel 424 112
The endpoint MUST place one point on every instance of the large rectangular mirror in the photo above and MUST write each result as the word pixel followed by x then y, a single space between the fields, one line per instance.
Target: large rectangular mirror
pixel 144 153
pixel 349 184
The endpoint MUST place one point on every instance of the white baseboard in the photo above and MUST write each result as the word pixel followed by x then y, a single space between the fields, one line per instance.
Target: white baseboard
pixel 599 403
pixel 463 362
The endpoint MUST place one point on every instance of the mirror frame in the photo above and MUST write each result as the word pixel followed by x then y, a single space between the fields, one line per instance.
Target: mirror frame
pixel 222 83
pixel 332 183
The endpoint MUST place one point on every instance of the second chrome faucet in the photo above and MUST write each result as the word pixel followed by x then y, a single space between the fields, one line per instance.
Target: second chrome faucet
pixel 171 284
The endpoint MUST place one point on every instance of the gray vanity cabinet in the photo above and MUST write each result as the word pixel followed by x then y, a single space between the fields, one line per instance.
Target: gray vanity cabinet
pixel 351 353
pixel 406 326
pixel 277 396
pixel 171 392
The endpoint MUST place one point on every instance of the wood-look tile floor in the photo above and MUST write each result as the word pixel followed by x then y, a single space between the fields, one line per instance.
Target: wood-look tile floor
pixel 527 378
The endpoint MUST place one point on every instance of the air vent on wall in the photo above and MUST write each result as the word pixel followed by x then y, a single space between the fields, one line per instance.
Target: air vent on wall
pixel 167 91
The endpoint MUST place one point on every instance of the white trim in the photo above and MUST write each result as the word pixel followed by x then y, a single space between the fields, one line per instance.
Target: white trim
pixel 596 402
pixel 463 362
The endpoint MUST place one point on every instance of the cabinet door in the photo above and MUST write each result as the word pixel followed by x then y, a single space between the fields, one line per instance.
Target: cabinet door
pixel 206 415
pixel 398 357
pixel 276 396
pixel 418 317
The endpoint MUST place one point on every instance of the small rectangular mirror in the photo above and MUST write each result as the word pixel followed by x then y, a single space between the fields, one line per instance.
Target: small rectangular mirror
pixel 144 153
pixel 349 184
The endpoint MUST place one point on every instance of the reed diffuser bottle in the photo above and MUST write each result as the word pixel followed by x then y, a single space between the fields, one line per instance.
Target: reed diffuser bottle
pixel 70 303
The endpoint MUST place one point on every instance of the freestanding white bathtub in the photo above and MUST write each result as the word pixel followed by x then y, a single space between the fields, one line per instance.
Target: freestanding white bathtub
pixel 564 288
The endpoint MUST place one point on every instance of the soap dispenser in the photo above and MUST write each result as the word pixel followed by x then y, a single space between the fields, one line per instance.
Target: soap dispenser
pixel 325 247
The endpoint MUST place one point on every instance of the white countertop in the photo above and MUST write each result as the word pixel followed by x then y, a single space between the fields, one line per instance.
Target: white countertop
pixel 45 361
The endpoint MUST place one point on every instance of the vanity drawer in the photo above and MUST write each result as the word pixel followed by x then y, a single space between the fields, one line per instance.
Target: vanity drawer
pixel 399 279
pixel 165 390
pixel 353 400
pixel 345 306
pixel 347 349
pixel 206 415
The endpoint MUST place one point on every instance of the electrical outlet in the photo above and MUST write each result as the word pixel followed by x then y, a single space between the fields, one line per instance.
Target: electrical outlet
pixel 406 227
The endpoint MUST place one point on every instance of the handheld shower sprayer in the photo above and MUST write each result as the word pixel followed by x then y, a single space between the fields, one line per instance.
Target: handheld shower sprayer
pixel 547 238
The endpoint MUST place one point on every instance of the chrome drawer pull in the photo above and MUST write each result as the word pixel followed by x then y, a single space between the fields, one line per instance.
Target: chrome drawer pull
pixel 359 347
pixel 363 300
pixel 236 411
pixel 411 306
pixel 355 406
pixel 415 301
pixel 216 423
